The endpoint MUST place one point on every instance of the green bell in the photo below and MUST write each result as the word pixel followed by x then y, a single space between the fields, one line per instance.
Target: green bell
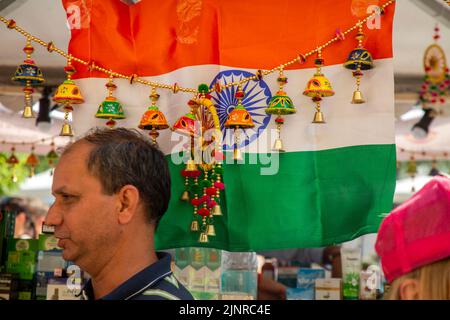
pixel 110 109
pixel 280 104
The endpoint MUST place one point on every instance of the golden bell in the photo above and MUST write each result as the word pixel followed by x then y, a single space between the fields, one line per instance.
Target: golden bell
pixel 28 112
pixel 278 145
pixel 66 130
pixel 237 154
pixel 194 225
pixel 210 230
pixel 203 238
pixel 217 211
pixel 318 117
pixel 190 166
pixel 358 97
pixel 185 196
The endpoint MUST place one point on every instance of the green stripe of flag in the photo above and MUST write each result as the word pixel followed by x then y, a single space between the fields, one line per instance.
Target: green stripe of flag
pixel 317 198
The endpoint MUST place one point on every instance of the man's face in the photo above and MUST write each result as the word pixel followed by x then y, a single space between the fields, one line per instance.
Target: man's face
pixel 85 218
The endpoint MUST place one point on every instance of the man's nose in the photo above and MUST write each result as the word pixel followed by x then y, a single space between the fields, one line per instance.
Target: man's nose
pixel 54 216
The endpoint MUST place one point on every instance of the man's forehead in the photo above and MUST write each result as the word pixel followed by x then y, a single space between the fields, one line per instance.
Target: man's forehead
pixel 73 163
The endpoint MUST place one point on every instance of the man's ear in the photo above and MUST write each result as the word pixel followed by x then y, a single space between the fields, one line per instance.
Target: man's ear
pixel 409 289
pixel 128 201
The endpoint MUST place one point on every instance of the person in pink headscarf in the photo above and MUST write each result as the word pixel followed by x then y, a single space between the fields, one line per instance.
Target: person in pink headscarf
pixel 414 245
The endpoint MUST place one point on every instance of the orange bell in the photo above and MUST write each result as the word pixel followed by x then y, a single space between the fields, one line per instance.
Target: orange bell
pixel 153 118
pixel 239 118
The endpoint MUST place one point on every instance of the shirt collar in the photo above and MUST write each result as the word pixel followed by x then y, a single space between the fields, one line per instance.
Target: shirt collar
pixel 138 283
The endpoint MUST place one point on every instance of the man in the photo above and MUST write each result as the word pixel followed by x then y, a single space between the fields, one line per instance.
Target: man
pixel 111 189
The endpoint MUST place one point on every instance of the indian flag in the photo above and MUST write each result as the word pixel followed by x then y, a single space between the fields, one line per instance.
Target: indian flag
pixel 334 182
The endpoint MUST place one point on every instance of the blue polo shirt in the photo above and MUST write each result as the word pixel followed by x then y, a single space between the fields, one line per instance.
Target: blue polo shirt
pixel 156 282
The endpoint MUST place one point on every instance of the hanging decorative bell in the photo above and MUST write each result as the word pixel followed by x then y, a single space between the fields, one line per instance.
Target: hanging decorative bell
pixel 359 59
pixel 66 130
pixel 153 119
pixel 52 156
pixel 28 74
pixel 68 94
pixel 13 161
pixel 32 162
pixel 203 238
pixel 358 97
pixel 185 196
pixel 194 226
pixel 318 87
pixel 210 230
pixel 280 104
pixel 217 211
pixel 110 108
pixel 185 124
pixel 238 118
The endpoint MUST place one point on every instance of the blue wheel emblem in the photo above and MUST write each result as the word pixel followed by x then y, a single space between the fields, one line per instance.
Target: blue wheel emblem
pixel 257 98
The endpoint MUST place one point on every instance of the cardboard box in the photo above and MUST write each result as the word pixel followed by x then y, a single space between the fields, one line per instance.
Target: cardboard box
pixel 288 276
pixel 306 278
pixel 22 257
pixel 58 289
pixel 328 289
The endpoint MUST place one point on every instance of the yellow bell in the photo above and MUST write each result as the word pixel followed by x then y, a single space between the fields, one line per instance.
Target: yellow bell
pixel 185 196
pixel 358 97
pixel 210 230
pixel 318 86
pixel 194 225
pixel 217 211
pixel 237 154
pixel 278 145
pixel 68 93
pixel 318 117
pixel 28 112
pixel 66 130
pixel 190 166
pixel 203 238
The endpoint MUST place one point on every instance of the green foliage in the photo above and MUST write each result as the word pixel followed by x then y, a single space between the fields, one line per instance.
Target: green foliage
pixel 22 171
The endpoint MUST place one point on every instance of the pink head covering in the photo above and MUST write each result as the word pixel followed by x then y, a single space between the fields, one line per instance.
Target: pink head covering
pixel 417 232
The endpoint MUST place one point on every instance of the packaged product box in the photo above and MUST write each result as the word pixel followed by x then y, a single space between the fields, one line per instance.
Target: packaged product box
pixel 25 289
pixel 47 242
pixel 22 257
pixel 48 261
pixel 197 279
pixel 7 225
pixel 59 289
pixel 328 289
pixel 181 268
pixel 8 286
pixel 351 268
pixel 306 280
pixel 370 285
pixel 288 276
pixel 240 281
pixel 213 270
